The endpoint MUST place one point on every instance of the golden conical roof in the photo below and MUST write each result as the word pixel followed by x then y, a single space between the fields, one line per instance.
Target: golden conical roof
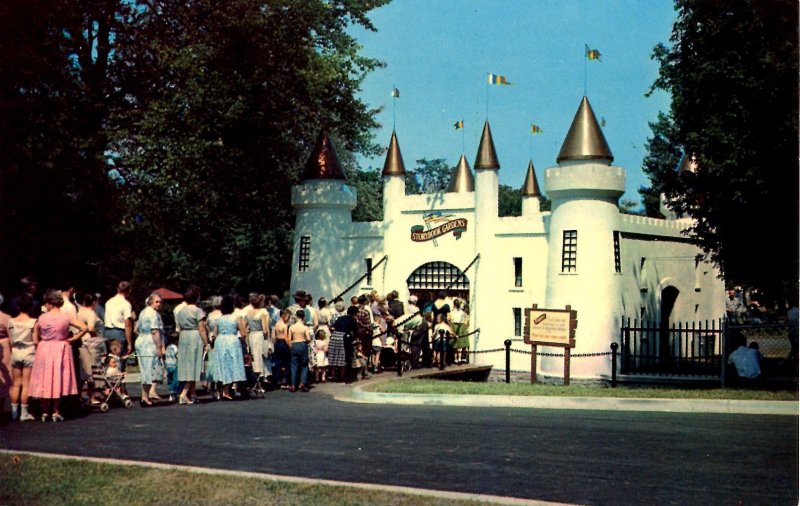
pixel 688 164
pixel 323 162
pixel 585 140
pixel 530 188
pixel 461 180
pixel 487 156
pixel 394 159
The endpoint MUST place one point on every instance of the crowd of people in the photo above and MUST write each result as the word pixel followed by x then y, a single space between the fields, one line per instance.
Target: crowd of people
pixel 62 344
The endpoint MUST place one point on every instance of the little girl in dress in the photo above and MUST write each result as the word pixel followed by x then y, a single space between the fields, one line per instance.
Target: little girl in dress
pixel 321 354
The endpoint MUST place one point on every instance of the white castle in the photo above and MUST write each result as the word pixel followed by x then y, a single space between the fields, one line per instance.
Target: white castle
pixel 584 253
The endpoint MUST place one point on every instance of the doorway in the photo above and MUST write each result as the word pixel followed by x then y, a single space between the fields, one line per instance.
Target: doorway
pixel 429 279
pixel 668 297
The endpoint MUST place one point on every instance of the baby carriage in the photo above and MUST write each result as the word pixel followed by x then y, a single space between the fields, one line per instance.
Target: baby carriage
pixel 389 354
pixel 107 380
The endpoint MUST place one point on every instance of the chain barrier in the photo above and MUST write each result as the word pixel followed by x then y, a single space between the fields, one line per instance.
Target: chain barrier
pixel 542 354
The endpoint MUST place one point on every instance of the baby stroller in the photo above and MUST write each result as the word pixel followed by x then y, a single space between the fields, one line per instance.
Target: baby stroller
pixel 389 354
pixel 109 383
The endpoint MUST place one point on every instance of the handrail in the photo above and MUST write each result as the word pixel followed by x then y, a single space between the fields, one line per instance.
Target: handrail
pixel 362 278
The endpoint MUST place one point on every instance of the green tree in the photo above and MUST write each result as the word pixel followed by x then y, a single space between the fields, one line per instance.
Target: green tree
pixel 732 70
pixel 56 91
pixel 429 176
pixel 369 190
pixel 223 105
pixel 509 201
pixel 660 163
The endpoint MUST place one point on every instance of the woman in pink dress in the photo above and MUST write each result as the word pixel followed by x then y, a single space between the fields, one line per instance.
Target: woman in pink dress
pixel 53 372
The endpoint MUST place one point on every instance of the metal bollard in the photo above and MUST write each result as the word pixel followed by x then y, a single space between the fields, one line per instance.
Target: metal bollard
pixel 614 347
pixel 507 342
pixel 398 344
pixel 443 351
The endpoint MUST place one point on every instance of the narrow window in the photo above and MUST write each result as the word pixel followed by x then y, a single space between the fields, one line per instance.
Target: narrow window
pixel 517 321
pixel 569 251
pixel 517 271
pixel 368 261
pixel 305 252
pixel 617 263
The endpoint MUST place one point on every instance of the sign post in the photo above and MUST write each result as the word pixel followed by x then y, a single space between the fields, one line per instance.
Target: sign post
pixel 550 327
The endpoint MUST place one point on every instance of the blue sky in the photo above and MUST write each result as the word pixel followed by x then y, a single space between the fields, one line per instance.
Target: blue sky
pixel 438 54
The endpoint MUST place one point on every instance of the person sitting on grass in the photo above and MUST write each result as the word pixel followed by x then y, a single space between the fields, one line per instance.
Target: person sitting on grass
pixel 747 360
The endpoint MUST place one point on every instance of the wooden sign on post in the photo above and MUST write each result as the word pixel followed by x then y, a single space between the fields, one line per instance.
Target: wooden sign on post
pixel 550 327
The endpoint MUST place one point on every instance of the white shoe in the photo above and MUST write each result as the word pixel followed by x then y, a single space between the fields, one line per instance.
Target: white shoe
pixel 26 417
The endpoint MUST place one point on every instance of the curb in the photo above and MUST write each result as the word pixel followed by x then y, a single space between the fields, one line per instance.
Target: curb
pixel 743 407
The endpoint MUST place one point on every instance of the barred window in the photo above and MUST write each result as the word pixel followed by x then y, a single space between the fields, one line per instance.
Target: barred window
pixel 517 271
pixel 305 253
pixel 569 251
pixel 517 321
pixel 617 262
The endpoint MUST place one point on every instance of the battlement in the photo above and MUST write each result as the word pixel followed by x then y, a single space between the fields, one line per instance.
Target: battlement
pixel 324 193
pixel 582 179
pixel 657 226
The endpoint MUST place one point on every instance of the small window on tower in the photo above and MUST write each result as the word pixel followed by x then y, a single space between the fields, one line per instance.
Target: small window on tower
pixel 517 271
pixel 569 251
pixel 517 321
pixel 617 262
pixel 368 261
pixel 305 253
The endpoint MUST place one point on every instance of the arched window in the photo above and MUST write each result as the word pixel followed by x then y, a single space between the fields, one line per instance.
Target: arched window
pixel 438 276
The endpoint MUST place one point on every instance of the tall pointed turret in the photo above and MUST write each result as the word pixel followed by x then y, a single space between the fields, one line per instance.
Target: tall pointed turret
pixel 688 164
pixel 394 165
pixel 530 192
pixel 323 162
pixel 530 188
pixel 585 140
pixel 461 180
pixel 487 156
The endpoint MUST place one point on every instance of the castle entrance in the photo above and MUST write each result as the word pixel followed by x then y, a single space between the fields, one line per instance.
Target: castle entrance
pixel 429 279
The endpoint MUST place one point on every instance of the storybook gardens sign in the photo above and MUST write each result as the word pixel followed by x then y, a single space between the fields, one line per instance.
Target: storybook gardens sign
pixel 443 224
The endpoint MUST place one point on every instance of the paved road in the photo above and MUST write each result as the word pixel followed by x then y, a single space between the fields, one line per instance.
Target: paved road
pixel 590 457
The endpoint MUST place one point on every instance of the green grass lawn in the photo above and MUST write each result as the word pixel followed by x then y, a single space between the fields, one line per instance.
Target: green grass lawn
pixel 36 480
pixel 421 386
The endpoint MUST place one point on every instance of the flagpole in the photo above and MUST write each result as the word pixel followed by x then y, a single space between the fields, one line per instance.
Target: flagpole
pixel 487 97
pixel 394 106
pixel 531 144
pixel 585 67
pixel 463 149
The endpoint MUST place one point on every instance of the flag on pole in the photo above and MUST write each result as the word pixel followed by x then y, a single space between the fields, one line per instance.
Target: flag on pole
pixel 536 129
pixel 592 54
pixel 395 93
pixel 498 79
pixel 458 124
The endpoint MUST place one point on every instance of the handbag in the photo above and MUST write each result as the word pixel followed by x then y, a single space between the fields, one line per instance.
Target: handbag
pixel 159 372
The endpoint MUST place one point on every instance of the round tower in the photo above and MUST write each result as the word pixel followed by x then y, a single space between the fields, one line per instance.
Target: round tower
pixel 394 192
pixel 584 189
pixel 323 203
pixel 486 217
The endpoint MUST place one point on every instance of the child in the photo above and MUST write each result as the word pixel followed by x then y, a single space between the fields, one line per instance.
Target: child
pixel 441 336
pixel 113 360
pixel 321 354
pixel 171 365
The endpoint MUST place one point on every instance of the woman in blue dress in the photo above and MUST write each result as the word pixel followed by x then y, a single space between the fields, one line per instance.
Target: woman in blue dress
pixel 192 344
pixel 149 346
pixel 230 332
pixel 211 366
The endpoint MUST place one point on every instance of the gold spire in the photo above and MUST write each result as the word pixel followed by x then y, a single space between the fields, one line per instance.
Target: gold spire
pixel 530 188
pixel 461 180
pixel 323 162
pixel 585 140
pixel 487 156
pixel 688 164
pixel 394 159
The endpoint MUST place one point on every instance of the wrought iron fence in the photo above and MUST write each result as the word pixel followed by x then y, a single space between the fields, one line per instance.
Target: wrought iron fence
pixel 684 349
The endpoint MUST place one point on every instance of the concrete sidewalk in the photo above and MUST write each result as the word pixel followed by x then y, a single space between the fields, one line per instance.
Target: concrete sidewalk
pixel 355 393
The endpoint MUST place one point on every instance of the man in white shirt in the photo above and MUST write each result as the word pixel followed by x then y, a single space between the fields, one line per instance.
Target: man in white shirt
pixel 747 360
pixel 118 322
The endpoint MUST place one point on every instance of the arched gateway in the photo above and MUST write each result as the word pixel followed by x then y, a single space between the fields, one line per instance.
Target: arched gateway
pixel 428 279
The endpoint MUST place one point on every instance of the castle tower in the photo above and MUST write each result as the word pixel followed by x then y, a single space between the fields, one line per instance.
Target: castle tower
pixel 530 192
pixel 461 180
pixel 687 164
pixel 585 190
pixel 394 191
pixel 324 203
pixel 486 218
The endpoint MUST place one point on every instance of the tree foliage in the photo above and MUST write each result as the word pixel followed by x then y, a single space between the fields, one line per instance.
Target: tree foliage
pixel 55 97
pixel 158 140
pixel 660 163
pixel 732 72
pixel 429 176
